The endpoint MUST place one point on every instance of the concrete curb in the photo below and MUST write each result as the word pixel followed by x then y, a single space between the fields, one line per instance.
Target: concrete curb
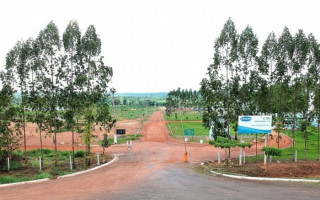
pixel 265 179
pixel 24 182
pixel 115 158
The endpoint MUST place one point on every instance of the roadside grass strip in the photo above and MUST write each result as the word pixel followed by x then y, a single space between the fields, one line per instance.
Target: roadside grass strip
pixel 24 182
pixel 115 158
pixel 265 179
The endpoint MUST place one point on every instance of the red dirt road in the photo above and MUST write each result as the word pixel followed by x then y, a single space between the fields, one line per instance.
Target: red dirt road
pixel 150 157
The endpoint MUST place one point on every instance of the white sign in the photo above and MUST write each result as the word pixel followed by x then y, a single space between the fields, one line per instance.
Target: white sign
pixel 254 124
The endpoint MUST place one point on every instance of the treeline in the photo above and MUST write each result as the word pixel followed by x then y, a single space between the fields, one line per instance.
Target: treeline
pixel 140 101
pixel 62 80
pixel 280 78
pixel 182 98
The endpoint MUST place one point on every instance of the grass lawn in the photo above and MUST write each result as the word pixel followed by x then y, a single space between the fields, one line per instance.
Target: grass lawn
pixel 187 116
pixel 312 151
pixel 312 148
pixel 134 112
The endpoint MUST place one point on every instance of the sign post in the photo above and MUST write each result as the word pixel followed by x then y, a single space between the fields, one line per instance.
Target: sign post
pixel 255 125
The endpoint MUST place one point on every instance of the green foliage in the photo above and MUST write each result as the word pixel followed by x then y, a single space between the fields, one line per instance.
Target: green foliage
pixel 79 154
pixel 225 143
pixel 105 142
pixel 181 98
pixel 272 151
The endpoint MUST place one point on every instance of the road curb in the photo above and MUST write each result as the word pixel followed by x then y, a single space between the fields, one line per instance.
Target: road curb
pixel 115 158
pixel 265 179
pixel 24 182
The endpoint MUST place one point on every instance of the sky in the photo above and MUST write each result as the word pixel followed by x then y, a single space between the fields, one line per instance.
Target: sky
pixel 156 45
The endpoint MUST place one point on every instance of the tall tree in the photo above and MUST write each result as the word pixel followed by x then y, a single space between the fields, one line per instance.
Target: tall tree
pixel 226 53
pixel 71 43
pixel 284 61
pixel 267 63
pixel 18 62
pixel 51 44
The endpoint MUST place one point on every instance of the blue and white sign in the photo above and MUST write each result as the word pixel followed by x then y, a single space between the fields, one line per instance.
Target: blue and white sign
pixel 254 124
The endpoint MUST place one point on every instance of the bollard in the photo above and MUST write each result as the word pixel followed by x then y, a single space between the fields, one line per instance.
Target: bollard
pixel 185 157
pixel 98 159
pixel 240 157
pixel 186 139
pixel 201 141
pixel 219 157
pixel 295 156
pixel 270 159
pixel 70 162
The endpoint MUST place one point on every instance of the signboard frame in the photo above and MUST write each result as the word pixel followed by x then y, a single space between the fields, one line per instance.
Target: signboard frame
pixel 188 132
pixel 254 124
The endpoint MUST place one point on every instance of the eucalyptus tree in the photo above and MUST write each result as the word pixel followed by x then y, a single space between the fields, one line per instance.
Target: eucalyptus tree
pixel 285 52
pixel 226 56
pixel 92 79
pixel 9 135
pixel 71 44
pixel 18 62
pixel 247 56
pixel 36 100
pixel 313 60
pixel 299 48
pixel 267 62
pixel 213 94
pixel 50 45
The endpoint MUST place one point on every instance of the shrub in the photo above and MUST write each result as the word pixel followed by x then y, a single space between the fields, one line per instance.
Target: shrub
pixel 272 151
pixel 80 153
pixel 47 151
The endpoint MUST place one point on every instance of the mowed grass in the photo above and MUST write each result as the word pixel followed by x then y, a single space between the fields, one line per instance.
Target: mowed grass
pixel 287 154
pixel 312 146
pixel 186 116
pixel 199 129
pixel 134 112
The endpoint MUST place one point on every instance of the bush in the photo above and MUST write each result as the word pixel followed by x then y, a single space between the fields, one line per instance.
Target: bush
pixel 79 154
pixel 272 151
pixel 47 151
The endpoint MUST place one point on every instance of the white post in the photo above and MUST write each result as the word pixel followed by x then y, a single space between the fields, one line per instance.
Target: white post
pixel 8 164
pixel 219 157
pixel 40 163
pixel 270 159
pixel 296 156
pixel 240 154
pixel 70 162
pixel 98 159
pixel 115 139
pixel 244 157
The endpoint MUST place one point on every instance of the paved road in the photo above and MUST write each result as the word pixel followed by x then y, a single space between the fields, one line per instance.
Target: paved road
pixel 154 170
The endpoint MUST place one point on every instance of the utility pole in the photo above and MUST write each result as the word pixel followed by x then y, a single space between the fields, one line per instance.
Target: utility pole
pixel 112 90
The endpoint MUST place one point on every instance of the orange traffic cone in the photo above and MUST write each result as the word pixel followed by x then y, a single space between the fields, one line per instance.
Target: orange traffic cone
pixel 185 157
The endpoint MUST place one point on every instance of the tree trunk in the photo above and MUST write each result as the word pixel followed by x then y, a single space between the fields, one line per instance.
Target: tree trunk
pixel 305 148
pixel 41 145
pixel 24 133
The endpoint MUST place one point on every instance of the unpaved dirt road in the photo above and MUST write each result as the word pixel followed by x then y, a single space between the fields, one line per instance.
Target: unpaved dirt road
pixel 154 169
